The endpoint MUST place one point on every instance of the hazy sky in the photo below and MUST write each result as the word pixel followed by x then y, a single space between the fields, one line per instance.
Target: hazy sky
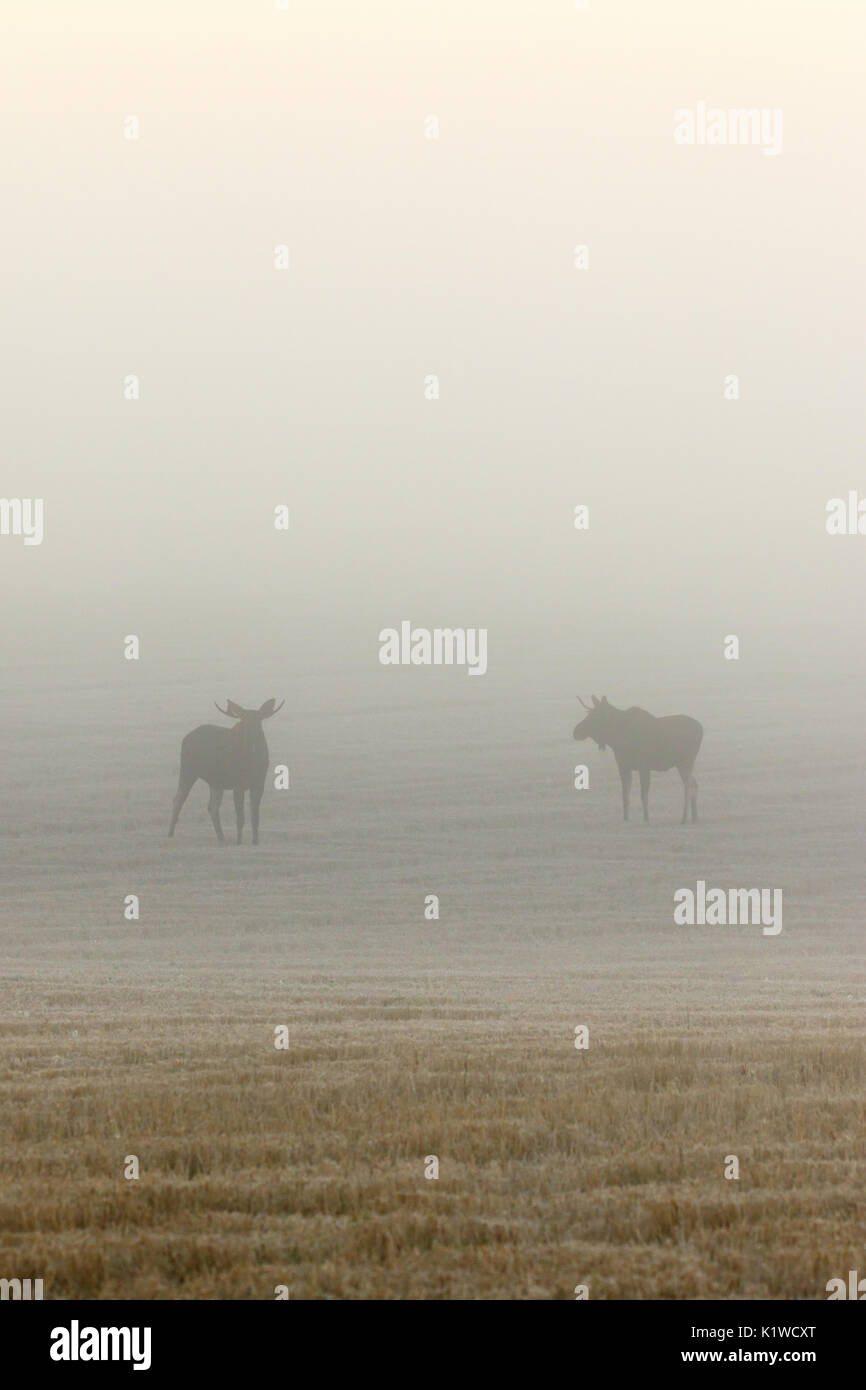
pixel 408 257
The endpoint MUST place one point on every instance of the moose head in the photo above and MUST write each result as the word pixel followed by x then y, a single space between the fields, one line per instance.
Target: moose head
pixel 248 730
pixel 596 724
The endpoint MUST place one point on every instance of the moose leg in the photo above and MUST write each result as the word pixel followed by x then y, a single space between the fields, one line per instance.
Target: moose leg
pixel 213 806
pixel 686 774
pixel 625 778
pixel 239 810
pixel 644 791
pixel 694 800
pixel 183 790
pixel 256 794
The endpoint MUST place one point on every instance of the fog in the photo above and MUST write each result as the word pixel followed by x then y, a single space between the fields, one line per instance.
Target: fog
pixel 411 257
pixel 536 334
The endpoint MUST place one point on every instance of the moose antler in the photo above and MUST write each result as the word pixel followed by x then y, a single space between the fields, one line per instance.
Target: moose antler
pixel 226 712
pixel 585 705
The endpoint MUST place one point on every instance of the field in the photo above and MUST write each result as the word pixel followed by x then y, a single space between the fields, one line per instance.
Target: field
pixel 408 1038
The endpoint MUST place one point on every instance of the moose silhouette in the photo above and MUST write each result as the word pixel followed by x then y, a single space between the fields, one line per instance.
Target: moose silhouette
pixel 234 759
pixel 642 742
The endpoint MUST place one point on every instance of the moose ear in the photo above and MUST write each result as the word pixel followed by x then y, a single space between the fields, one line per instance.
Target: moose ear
pixel 234 710
pixel 270 707
pixel 594 699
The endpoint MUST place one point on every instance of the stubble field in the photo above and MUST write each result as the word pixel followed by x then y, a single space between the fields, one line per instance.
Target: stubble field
pixel 411 1038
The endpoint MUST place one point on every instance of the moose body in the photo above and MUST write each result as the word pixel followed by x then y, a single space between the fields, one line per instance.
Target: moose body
pixel 235 760
pixel 643 743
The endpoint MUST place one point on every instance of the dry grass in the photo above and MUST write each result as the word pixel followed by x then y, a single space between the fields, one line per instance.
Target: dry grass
pixel 306 1167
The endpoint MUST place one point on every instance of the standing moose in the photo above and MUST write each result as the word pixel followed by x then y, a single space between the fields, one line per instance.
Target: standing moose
pixel 641 741
pixel 233 759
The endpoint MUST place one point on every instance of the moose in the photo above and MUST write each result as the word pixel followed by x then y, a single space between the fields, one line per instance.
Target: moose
pixel 233 759
pixel 641 741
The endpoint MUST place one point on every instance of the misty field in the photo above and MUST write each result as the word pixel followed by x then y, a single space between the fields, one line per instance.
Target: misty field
pixel 410 1038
